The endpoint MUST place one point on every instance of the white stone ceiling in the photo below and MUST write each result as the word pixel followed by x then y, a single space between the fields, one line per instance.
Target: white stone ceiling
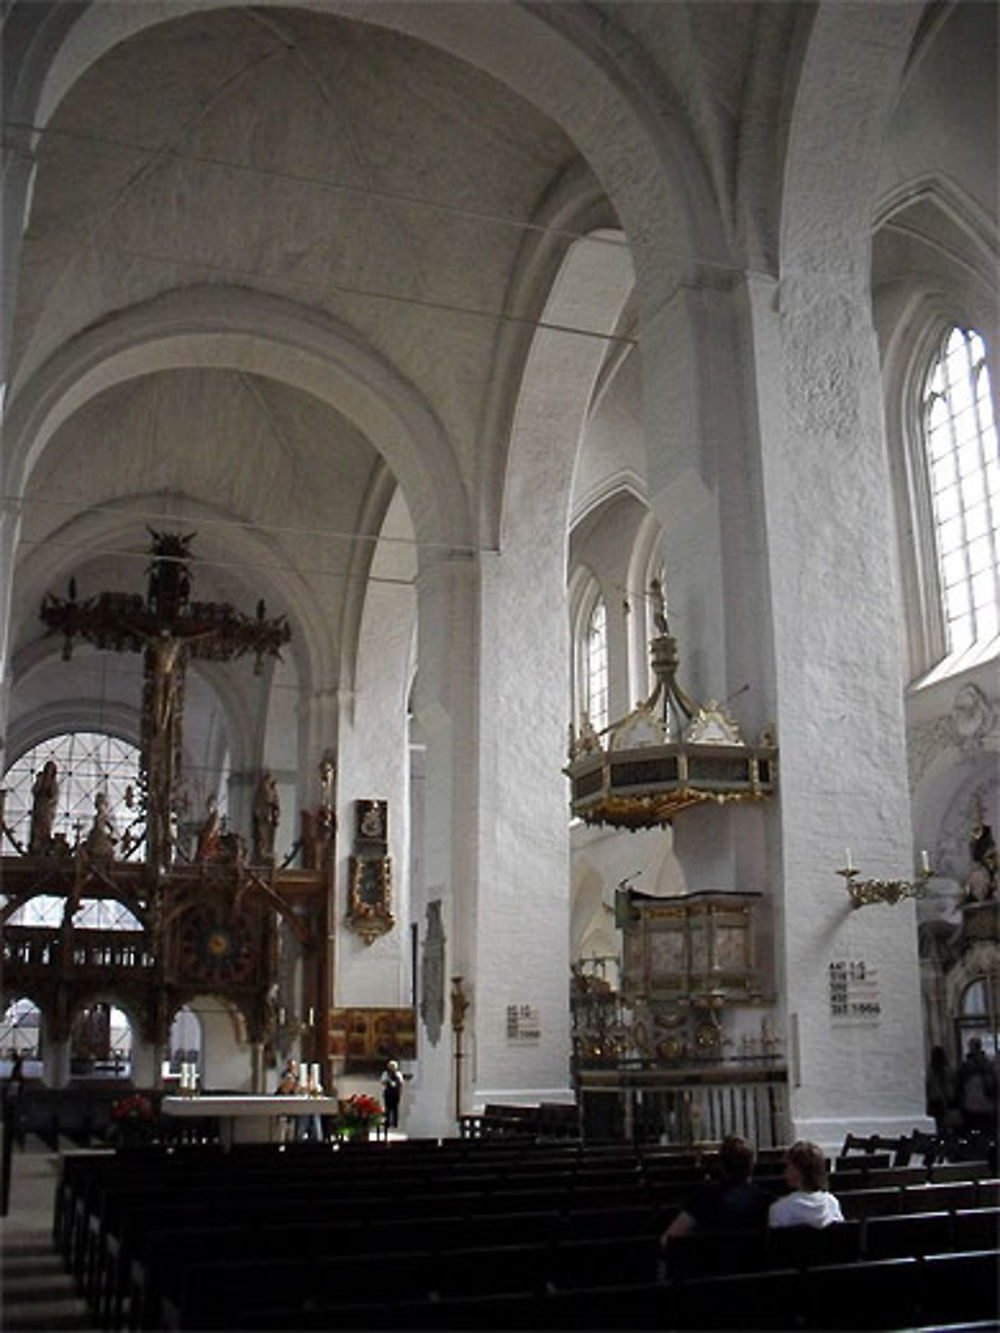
pixel 348 170
pixel 279 152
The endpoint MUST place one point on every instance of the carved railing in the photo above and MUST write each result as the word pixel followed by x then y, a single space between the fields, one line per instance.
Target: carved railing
pixel 33 951
pixel 685 1105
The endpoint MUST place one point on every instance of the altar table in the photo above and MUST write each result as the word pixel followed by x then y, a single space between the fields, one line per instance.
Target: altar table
pixel 248 1119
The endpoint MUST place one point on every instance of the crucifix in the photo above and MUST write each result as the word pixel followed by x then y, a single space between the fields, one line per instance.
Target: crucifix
pixel 168 629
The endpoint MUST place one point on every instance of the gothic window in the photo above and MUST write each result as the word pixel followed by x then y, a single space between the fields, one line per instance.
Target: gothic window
pixel 20 1029
pixel 980 1015
pixel 964 483
pixel 87 763
pixel 595 666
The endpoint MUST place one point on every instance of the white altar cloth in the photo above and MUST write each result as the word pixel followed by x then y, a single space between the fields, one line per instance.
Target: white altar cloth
pixel 248 1119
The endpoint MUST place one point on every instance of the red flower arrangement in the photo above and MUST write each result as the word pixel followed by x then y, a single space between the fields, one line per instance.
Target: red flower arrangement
pixel 133 1107
pixel 133 1120
pixel 360 1111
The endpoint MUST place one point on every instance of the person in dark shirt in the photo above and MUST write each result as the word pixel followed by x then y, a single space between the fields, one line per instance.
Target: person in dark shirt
pixel 734 1204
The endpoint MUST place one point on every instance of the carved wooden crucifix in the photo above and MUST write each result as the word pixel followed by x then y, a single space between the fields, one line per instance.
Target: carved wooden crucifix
pixel 168 628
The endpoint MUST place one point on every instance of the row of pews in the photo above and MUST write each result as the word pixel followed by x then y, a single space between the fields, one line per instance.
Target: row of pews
pixel 483 1234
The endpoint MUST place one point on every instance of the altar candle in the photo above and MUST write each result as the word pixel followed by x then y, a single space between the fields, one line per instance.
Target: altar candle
pixel 304 1077
pixel 315 1078
pixel 848 863
pixel 184 1076
pixel 312 1015
pixel 281 1015
pixel 925 862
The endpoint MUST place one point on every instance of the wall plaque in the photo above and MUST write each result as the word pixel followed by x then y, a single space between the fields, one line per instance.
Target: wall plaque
pixel 523 1023
pixel 854 992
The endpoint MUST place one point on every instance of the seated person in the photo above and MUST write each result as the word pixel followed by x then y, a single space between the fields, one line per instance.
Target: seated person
pixel 734 1204
pixel 809 1204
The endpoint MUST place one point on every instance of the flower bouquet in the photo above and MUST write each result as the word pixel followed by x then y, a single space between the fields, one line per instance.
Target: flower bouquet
pixel 133 1120
pixel 359 1115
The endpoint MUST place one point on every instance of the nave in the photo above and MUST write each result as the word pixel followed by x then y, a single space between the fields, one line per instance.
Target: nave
pixel 490 1234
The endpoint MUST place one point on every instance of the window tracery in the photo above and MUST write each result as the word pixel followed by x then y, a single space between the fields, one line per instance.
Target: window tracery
pixel 88 765
pixel 963 470
pixel 596 666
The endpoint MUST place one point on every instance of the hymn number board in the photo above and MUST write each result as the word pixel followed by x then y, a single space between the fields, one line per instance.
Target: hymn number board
pixel 854 992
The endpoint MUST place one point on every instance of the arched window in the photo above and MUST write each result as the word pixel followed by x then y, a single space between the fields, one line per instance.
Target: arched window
pixel 595 666
pixel 964 482
pixel 87 763
pixel 980 1015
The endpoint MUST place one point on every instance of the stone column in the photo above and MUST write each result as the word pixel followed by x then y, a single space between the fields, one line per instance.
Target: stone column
pixel 705 488
pixel 522 912
pixel 147 1062
pixel 444 706
pixel 56 1062
pixel 838 678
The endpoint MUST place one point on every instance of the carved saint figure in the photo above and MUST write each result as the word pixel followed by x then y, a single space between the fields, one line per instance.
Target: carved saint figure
pixel 656 596
pixel 327 778
pixel 45 798
pixel 210 833
pixel 981 881
pixel 99 843
pixel 459 1004
pixel 266 813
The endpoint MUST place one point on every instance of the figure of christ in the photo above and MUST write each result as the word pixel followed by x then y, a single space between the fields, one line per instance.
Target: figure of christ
pixel 164 663
pixel 167 628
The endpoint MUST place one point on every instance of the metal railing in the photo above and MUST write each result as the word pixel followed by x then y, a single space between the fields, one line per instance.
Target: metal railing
pixel 685 1105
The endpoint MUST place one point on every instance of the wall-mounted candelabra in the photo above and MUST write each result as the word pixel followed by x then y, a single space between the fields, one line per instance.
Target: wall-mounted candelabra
pixel 891 891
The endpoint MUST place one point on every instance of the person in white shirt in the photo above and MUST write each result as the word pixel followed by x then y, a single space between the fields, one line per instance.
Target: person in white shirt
pixel 809 1204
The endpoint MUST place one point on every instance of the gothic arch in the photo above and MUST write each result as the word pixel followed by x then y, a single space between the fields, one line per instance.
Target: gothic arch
pixel 846 89
pixel 546 58
pixel 264 335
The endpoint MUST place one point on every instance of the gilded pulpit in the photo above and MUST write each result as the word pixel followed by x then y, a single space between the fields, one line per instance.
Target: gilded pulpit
pixel 676 1051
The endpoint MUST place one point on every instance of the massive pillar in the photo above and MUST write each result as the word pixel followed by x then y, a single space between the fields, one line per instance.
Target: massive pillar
pixel 839 689
pixel 444 715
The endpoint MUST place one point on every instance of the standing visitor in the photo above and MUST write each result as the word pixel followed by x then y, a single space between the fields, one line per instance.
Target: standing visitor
pixel 976 1091
pixel 392 1090
pixel 939 1088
